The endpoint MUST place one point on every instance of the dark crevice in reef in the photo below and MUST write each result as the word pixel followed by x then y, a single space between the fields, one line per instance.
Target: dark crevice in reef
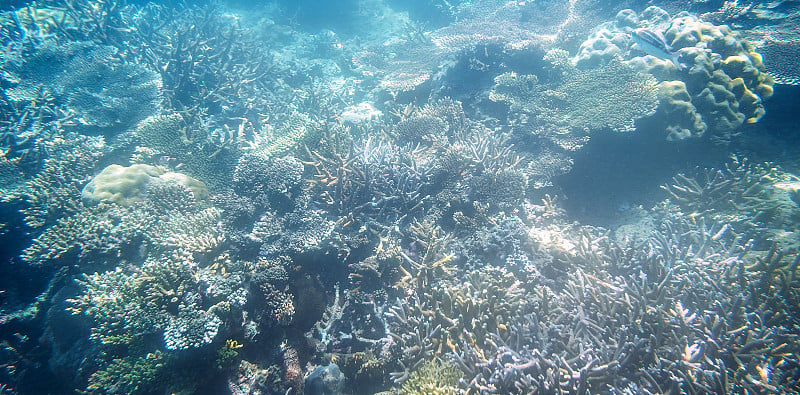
pixel 616 171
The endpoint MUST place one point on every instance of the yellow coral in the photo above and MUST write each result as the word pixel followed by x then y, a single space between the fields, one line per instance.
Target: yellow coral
pixel 434 377
pixel 124 185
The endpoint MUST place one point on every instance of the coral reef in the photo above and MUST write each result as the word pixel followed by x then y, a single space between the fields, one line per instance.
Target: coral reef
pixel 125 185
pixel 206 198
pixel 751 197
pixel 169 215
pixel 53 191
pixel 324 380
pixel 721 72
pixel 105 94
pixel 419 59
pixel 566 337
pixel 563 111
pixel 512 24
pixel 433 377
pixel 777 61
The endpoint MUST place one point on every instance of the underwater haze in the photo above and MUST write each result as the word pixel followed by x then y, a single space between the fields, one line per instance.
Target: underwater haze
pixel 399 197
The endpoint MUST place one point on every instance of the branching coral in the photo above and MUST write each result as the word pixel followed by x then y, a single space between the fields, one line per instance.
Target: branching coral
pixel 498 24
pixel 295 233
pixel 684 267
pixel 749 196
pixel 158 213
pixel 433 377
pixel 431 260
pixel 54 191
pixel 130 375
pixel 167 305
pixel 273 181
pixel 675 309
pixel 126 306
pixel 104 93
pixel 369 178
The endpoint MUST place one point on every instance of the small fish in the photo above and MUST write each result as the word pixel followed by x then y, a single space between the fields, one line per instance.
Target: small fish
pixel 654 44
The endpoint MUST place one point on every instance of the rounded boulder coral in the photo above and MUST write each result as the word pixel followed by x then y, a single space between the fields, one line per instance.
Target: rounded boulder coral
pixel 125 185
pixel 720 71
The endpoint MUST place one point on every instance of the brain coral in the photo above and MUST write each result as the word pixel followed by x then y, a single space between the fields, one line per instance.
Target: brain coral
pixel 722 74
pixel 125 185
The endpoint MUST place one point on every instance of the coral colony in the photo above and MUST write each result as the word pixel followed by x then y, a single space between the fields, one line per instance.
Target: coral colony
pixel 371 196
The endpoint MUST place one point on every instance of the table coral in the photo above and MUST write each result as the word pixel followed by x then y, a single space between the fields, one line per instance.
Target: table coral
pixel 611 96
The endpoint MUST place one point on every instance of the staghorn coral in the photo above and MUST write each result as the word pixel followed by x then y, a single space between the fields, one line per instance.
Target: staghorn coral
pixel 33 23
pixel 447 319
pixel 751 197
pixel 598 315
pixel 433 262
pixel 192 46
pixel 53 191
pixel 166 215
pixel 699 255
pixel 577 312
pixel 369 178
